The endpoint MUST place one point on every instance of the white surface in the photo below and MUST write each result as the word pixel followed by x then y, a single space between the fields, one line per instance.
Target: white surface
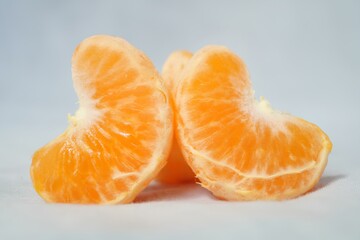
pixel 303 56
pixel 181 212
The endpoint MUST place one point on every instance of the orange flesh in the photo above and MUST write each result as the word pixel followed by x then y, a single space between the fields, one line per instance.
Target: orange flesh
pixel 240 148
pixel 121 135
pixel 176 169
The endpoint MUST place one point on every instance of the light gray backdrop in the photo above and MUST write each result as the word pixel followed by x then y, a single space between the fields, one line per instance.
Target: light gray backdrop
pixel 303 56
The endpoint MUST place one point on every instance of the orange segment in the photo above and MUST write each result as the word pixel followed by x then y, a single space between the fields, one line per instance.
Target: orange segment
pixel 240 148
pixel 119 138
pixel 176 169
pixel 173 67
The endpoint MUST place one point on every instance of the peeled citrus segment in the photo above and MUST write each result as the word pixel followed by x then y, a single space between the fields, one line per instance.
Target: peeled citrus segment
pixel 240 148
pixel 172 69
pixel 176 169
pixel 120 137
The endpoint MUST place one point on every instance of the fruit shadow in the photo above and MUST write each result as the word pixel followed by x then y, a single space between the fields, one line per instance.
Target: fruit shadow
pixel 157 192
pixel 326 181
pixel 169 192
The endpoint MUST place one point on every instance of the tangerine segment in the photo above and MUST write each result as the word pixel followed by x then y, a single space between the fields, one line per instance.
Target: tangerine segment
pixel 176 169
pixel 173 67
pixel 120 136
pixel 240 148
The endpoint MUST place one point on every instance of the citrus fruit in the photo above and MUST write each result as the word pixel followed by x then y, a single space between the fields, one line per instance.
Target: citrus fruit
pixel 119 138
pixel 176 169
pixel 240 148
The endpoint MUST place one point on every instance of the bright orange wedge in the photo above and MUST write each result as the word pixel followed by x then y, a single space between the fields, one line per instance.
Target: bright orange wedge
pixel 120 137
pixel 240 148
pixel 176 169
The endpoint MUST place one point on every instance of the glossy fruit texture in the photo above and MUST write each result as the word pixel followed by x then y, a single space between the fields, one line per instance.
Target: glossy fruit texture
pixel 120 137
pixel 241 148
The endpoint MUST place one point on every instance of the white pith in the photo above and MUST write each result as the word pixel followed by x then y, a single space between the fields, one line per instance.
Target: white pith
pixel 253 174
pixel 233 191
pixel 261 111
pixel 87 113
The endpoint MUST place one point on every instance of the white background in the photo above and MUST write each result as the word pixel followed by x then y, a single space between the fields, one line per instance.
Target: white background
pixel 303 56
